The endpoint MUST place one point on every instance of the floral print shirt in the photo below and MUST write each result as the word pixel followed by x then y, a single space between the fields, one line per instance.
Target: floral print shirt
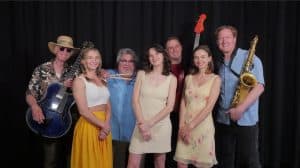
pixel 42 76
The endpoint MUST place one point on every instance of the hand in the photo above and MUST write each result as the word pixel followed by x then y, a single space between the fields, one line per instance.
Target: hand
pixel 235 113
pixel 186 139
pixel 68 82
pixel 144 126
pixel 106 127
pixel 104 131
pixel 185 134
pixel 145 130
pixel 146 135
pixel 102 135
pixel 37 114
pixel 104 74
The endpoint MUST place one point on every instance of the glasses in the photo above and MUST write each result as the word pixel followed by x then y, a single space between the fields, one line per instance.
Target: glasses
pixel 126 61
pixel 67 49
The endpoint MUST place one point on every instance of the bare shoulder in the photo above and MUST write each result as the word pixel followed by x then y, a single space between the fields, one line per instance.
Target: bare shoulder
pixel 173 78
pixel 187 78
pixel 139 75
pixel 217 79
pixel 78 81
pixel 140 72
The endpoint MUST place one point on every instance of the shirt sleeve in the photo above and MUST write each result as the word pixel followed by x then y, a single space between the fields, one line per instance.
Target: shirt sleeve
pixel 34 86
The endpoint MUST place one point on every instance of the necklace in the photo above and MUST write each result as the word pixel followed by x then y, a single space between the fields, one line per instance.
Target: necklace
pixel 201 79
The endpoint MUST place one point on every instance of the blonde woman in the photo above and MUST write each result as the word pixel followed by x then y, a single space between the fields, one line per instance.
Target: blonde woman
pixel 92 141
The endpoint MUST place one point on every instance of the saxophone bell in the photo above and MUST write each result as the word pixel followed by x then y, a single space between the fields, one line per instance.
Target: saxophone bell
pixel 248 80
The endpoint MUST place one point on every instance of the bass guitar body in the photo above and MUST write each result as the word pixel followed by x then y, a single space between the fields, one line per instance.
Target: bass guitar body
pixel 56 106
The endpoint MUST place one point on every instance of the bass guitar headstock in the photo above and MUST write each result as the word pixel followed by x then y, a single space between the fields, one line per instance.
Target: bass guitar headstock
pixel 199 28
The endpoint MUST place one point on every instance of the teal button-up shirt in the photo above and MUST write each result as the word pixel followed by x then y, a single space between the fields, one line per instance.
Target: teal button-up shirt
pixel 122 115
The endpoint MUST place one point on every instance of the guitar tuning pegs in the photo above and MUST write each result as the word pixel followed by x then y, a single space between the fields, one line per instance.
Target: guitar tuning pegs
pixel 88 44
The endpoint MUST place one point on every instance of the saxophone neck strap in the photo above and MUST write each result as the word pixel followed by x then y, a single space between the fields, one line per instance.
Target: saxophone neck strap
pixel 237 63
pixel 230 63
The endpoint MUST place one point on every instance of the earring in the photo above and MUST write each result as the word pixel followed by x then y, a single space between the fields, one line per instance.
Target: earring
pixel 207 70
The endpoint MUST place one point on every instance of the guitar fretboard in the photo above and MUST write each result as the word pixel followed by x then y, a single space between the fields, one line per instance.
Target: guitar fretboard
pixel 197 39
pixel 74 68
pixel 76 65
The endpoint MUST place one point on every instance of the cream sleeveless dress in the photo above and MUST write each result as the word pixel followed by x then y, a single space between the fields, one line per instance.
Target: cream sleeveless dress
pixel 152 100
pixel 201 150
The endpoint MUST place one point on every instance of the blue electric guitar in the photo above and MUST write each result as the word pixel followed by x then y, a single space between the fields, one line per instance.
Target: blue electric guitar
pixel 56 105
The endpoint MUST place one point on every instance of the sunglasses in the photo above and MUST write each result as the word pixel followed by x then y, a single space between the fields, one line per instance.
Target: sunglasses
pixel 67 49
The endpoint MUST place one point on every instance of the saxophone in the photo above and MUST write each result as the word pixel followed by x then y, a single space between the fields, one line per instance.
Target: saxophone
pixel 247 80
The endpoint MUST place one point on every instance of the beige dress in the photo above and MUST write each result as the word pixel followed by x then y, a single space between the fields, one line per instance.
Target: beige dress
pixel 201 150
pixel 152 100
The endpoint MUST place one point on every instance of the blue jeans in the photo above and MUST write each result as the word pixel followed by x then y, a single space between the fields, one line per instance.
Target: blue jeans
pixel 237 146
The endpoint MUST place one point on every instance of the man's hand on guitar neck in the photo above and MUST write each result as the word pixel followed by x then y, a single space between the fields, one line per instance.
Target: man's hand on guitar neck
pixel 68 83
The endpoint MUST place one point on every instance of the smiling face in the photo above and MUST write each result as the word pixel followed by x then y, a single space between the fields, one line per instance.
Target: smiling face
pixel 91 60
pixel 126 64
pixel 174 50
pixel 226 41
pixel 155 58
pixel 201 59
pixel 62 53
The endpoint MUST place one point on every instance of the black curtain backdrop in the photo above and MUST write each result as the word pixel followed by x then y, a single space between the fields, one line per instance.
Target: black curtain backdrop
pixel 26 28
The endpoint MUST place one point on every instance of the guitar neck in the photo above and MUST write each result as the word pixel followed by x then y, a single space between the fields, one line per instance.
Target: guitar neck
pixel 197 39
pixel 74 68
pixel 76 65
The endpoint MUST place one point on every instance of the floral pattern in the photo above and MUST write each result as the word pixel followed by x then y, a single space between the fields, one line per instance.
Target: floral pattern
pixel 201 150
pixel 42 76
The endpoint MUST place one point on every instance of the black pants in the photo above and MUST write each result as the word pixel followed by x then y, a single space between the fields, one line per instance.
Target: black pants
pixel 54 154
pixel 49 153
pixel 120 153
pixel 237 146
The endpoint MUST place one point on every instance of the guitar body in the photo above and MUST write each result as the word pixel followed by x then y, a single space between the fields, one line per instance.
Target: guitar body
pixel 56 106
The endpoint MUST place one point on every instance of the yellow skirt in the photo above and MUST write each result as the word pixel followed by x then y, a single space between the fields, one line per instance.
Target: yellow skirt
pixel 87 150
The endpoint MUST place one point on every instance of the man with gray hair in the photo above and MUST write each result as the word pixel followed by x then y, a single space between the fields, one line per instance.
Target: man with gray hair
pixel 120 83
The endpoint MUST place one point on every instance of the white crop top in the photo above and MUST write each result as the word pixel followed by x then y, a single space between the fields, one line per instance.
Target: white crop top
pixel 95 95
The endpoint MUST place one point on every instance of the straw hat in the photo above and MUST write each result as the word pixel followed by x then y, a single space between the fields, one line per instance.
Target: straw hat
pixel 63 41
